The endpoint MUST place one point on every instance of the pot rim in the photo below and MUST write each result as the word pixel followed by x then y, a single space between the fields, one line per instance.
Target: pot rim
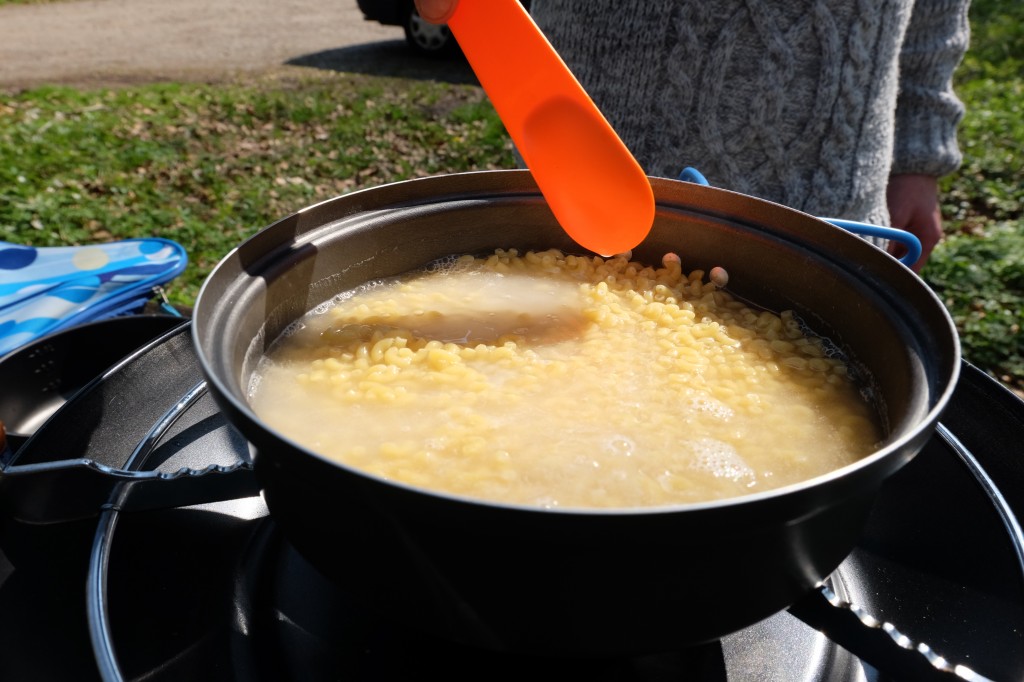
pixel 849 473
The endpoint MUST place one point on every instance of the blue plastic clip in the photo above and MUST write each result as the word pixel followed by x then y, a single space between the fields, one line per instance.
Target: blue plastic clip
pixel 911 242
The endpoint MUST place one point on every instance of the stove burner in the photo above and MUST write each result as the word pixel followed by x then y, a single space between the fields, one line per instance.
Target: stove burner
pixel 248 603
pixel 214 592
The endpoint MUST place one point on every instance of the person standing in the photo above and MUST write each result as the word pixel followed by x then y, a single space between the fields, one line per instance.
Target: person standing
pixel 839 108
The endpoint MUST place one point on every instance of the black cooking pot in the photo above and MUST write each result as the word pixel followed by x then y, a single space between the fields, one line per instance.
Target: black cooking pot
pixel 576 582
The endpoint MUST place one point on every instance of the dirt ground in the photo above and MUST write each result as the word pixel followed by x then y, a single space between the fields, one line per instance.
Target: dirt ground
pixel 109 42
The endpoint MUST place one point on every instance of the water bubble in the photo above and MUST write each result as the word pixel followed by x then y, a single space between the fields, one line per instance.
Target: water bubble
pixel 546 502
pixel 720 460
pixel 620 445
pixel 707 405
pixel 293 328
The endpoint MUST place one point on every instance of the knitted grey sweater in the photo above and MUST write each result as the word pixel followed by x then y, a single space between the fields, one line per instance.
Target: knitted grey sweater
pixel 808 103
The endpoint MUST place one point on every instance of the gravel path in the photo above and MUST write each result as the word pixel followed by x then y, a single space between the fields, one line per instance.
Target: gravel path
pixel 101 42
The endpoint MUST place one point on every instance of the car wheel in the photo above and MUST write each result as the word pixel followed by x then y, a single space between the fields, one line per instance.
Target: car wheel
pixel 425 37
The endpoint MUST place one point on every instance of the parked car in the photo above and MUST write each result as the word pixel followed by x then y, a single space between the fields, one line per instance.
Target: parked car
pixel 422 36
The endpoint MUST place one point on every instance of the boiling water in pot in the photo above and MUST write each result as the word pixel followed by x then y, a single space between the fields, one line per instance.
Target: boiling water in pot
pixel 563 381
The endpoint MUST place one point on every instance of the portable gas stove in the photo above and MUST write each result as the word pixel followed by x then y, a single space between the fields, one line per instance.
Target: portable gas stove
pixel 108 573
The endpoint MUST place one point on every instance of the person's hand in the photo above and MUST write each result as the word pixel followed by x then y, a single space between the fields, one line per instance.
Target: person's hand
pixel 436 11
pixel 914 206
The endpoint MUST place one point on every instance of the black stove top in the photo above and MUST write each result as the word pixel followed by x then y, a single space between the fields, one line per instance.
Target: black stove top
pixel 153 589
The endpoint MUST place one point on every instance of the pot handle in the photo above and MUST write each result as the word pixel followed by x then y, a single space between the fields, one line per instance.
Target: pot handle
pixel 909 241
pixel 59 491
pixel 69 490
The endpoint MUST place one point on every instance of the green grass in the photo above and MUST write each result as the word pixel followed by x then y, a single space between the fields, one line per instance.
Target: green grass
pixel 981 279
pixel 208 165
pixel 978 270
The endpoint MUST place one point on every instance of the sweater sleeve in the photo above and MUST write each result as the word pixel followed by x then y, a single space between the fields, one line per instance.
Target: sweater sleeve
pixel 927 109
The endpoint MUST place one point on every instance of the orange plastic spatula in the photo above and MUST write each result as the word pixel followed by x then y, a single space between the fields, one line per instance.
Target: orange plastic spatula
pixel 596 189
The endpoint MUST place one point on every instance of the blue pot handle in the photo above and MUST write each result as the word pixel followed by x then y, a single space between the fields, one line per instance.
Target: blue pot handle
pixel 912 243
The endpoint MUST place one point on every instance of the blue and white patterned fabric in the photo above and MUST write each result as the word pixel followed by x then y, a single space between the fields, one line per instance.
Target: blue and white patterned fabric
pixel 47 289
